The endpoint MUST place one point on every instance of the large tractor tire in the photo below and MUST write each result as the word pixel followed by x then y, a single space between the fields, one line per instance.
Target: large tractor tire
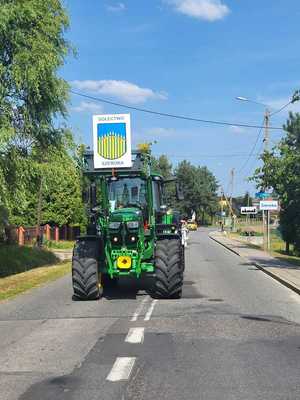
pixel 85 277
pixel 168 269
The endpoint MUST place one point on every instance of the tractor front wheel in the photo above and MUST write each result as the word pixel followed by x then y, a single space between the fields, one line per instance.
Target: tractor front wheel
pixel 168 269
pixel 85 277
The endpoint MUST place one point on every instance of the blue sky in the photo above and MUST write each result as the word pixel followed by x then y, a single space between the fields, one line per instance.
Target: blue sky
pixel 187 57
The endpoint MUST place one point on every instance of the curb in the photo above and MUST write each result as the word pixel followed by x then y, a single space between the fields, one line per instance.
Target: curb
pixel 259 266
pixel 224 245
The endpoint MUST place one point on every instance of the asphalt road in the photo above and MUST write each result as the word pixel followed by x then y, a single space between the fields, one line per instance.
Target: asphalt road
pixel 235 334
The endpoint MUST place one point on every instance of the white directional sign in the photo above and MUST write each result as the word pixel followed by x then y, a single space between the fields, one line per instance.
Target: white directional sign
pixel 268 205
pixel 248 210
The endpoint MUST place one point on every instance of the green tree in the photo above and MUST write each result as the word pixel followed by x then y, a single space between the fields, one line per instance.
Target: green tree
pixel 199 187
pixel 281 172
pixel 241 201
pixel 61 201
pixel 32 49
pixel 32 95
pixel 162 165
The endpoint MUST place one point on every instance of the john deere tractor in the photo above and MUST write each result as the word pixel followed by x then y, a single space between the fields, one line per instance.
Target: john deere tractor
pixel 131 232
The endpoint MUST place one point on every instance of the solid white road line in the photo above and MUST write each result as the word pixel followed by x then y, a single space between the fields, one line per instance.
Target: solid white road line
pixel 295 296
pixel 139 310
pixel 121 369
pixel 135 335
pixel 150 311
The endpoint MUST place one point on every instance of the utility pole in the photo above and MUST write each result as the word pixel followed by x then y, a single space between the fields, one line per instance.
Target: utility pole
pixel 232 172
pixel 267 124
pixel 266 219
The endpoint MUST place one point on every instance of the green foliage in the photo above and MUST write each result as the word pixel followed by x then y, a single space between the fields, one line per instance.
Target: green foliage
pixel 243 201
pixel 281 172
pixel 32 49
pixel 15 259
pixel 198 184
pixel 199 187
pixel 61 201
pixel 60 245
pixel 162 165
pixel 39 176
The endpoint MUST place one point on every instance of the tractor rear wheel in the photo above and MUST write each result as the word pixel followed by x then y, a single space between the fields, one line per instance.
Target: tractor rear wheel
pixel 168 269
pixel 85 277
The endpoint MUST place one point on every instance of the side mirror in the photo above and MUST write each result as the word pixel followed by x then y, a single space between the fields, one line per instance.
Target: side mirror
pixel 163 208
pixel 179 193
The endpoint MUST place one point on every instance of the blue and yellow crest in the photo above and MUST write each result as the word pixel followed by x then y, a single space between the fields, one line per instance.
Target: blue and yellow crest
pixel 111 140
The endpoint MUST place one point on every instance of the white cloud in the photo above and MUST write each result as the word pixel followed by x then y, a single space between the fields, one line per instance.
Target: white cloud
pixel 115 8
pixel 209 10
pixel 237 129
pixel 88 107
pixel 161 132
pixel 123 90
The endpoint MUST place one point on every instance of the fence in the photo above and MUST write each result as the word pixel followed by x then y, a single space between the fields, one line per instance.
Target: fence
pixel 27 235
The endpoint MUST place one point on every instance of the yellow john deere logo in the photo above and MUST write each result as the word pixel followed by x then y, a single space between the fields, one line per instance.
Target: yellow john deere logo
pixel 124 262
pixel 111 140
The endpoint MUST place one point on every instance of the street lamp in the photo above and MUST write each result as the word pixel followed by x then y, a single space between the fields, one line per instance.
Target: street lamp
pixel 266 118
pixel 241 98
pixel 267 115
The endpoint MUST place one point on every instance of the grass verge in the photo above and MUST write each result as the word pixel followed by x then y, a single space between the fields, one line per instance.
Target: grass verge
pixel 14 285
pixel 277 246
pixel 60 245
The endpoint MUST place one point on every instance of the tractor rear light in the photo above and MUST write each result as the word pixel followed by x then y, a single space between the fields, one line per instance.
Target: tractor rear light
pixel 146 225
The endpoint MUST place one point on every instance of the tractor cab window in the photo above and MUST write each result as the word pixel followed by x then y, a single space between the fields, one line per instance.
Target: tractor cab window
pixel 127 192
pixel 157 195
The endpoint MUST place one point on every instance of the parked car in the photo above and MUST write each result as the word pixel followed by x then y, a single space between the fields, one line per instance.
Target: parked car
pixel 192 226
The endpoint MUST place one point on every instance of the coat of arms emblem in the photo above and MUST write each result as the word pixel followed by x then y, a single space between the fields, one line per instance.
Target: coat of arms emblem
pixel 111 140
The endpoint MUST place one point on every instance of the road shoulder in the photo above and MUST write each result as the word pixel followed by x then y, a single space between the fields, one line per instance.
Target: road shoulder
pixel 284 272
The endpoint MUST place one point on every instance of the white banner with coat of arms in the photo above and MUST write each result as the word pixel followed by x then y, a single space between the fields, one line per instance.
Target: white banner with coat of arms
pixel 112 141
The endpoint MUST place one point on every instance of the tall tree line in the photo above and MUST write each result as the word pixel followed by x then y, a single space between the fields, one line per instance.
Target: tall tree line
pixel 199 187
pixel 39 178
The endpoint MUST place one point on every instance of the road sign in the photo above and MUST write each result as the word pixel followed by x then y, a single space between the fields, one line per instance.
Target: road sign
pixel 112 141
pixel 248 210
pixel 262 195
pixel 268 205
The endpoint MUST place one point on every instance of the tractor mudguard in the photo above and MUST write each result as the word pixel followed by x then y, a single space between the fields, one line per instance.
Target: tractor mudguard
pixel 94 247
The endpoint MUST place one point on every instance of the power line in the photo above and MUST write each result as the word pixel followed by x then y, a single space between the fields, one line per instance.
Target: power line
pixel 251 151
pixel 207 121
pixel 211 155
pixel 280 109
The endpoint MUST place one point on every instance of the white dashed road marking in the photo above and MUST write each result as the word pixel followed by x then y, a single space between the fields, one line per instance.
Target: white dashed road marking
pixel 139 310
pixel 135 335
pixel 150 311
pixel 121 369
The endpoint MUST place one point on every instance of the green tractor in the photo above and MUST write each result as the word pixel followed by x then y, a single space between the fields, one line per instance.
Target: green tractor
pixel 130 234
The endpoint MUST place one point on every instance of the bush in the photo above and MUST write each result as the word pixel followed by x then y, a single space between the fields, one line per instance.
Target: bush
pixel 15 259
